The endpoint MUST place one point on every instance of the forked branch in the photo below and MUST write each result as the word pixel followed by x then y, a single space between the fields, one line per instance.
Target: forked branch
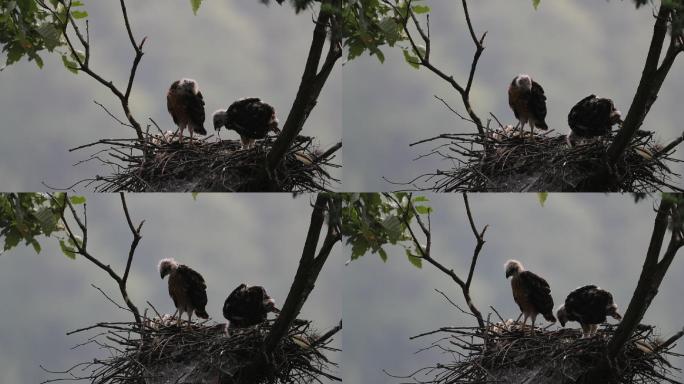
pixel 653 270
pixel 80 241
pixel 426 254
pixel 310 265
pixel 652 78
pixel 81 55
pixel 314 78
pixel 423 55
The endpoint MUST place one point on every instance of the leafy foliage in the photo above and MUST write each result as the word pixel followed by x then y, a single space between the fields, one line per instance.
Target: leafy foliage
pixel 27 216
pixel 28 27
pixel 371 222
pixel 195 4
pixel 372 24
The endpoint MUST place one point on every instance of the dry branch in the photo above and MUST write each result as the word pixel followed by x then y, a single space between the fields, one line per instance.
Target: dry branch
pixel 313 80
pixel 652 78
pixel 80 243
pixel 310 265
pixel 424 252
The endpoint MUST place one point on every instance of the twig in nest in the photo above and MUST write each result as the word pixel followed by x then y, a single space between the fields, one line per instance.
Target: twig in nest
pixel 546 163
pixel 204 166
pixel 504 354
pixel 161 352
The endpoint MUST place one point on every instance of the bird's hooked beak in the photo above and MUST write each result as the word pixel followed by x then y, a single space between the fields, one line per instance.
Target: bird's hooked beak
pixel 614 312
pixel 509 273
pixel 163 273
pixel 269 304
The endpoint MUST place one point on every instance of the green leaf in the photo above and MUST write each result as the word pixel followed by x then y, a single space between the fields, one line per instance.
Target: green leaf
pixel 47 219
pixel 359 248
pixel 72 66
pixel 195 5
pixel 535 3
pixel 420 9
pixel 79 14
pixel 36 245
pixel 542 196
pixel 412 59
pixel 67 250
pixel 194 195
pixel 423 210
pixel 383 255
pixel 413 259
pixel 392 225
pixel 77 200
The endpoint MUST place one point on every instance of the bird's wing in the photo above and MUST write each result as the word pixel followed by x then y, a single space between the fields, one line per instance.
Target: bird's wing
pixel 195 107
pixel 194 285
pixel 229 305
pixel 172 104
pixel 538 291
pixel 537 102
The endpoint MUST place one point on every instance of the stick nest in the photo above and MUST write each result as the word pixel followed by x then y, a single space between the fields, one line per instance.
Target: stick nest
pixel 505 161
pixel 162 352
pixel 504 354
pixel 160 163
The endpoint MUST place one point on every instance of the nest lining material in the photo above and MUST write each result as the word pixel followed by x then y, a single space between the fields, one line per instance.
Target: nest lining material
pixel 505 161
pixel 209 166
pixel 504 354
pixel 163 353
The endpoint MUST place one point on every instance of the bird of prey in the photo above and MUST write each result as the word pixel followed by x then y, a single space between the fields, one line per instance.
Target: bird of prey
pixel 247 306
pixel 531 292
pixel 186 106
pixel 186 288
pixel 528 102
pixel 251 118
pixel 591 117
pixel 588 305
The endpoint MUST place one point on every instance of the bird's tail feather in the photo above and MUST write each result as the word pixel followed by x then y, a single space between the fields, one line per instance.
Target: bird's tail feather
pixel 199 129
pixel 202 313
pixel 541 125
pixel 549 317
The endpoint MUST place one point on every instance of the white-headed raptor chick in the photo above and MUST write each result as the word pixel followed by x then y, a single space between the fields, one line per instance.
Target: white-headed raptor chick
pixel 531 292
pixel 186 106
pixel 186 288
pixel 528 102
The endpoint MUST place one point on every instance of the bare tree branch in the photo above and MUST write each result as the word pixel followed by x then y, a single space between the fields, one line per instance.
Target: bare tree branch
pixel 310 265
pixel 652 78
pixel 652 274
pixel 83 64
pixel 426 255
pixel 80 248
pixel 312 81
pixel 424 59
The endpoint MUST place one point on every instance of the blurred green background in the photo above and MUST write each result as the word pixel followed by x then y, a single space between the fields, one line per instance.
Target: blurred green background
pixel 229 239
pixel 234 49
pixel 572 48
